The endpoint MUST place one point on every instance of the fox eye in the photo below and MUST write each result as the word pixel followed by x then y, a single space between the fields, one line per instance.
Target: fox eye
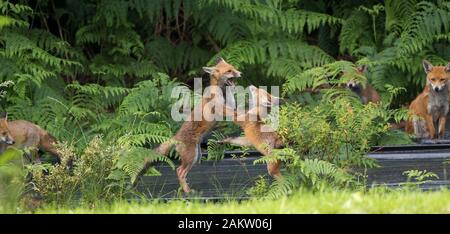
pixel 230 70
pixel 442 80
pixel 433 79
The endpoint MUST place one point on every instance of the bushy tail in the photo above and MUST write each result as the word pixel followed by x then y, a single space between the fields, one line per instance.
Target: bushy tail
pixel 47 144
pixel 163 149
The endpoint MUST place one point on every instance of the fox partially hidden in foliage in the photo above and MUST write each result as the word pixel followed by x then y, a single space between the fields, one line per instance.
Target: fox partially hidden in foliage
pixel 188 138
pixel 430 107
pixel 252 124
pixel 366 93
pixel 23 134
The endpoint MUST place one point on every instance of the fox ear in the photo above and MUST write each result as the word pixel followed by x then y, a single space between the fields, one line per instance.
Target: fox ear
pixel 266 103
pixel 273 101
pixel 219 60
pixel 362 68
pixel 252 90
pixel 447 68
pixel 427 66
pixel 209 70
pixel 4 115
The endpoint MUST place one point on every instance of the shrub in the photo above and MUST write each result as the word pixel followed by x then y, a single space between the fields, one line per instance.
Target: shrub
pixel 12 178
pixel 102 173
pixel 326 144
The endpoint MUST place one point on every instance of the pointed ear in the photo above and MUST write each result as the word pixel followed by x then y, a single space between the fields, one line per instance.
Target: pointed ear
pixel 276 100
pixel 252 90
pixel 427 66
pixel 362 68
pixel 209 70
pixel 267 103
pixel 447 68
pixel 219 60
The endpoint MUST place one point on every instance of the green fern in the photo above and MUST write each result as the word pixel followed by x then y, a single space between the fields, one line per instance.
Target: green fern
pixel 130 162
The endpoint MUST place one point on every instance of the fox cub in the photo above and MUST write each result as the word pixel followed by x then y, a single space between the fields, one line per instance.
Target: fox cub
pixel 23 134
pixel 430 107
pixel 366 93
pixel 189 136
pixel 252 124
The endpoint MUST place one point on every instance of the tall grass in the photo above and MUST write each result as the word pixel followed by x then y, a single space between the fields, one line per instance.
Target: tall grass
pixel 331 202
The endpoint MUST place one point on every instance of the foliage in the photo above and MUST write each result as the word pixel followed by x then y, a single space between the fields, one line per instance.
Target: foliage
pixel 325 143
pixel 302 202
pixel 102 173
pixel 416 177
pixel 12 179
pixel 314 174
pixel 85 68
pixel 340 131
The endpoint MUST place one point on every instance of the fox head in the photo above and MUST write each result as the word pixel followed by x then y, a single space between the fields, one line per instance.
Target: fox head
pixel 262 100
pixel 353 84
pixel 5 134
pixel 222 74
pixel 261 97
pixel 437 76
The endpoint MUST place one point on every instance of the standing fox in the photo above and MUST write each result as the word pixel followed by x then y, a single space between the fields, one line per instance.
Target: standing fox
pixel 23 134
pixel 188 138
pixel 430 107
pixel 366 94
pixel 252 125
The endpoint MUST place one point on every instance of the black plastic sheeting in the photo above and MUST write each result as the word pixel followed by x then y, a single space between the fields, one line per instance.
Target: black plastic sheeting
pixel 233 176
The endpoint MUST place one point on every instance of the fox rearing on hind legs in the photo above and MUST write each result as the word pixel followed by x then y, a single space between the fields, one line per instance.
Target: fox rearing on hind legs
pixel 188 138
pixel 252 124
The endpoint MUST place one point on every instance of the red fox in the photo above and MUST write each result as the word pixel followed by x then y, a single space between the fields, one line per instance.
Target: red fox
pixel 23 134
pixel 252 125
pixel 188 137
pixel 366 94
pixel 430 107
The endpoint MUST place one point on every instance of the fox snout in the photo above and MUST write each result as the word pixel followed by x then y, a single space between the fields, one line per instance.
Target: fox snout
pixel 438 88
pixel 8 140
pixel 351 85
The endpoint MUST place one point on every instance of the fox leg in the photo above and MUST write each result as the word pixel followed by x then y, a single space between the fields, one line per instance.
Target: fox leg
pixel 242 141
pixel 274 170
pixel 49 147
pixel 187 155
pixel 32 154
pixel 430 126
pixel 442 121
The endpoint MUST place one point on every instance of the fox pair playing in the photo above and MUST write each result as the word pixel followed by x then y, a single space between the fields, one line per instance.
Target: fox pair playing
pixel 187 139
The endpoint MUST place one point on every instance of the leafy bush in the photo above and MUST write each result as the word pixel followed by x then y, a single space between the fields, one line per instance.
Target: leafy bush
pixel 326 143
pixel 84 68
pixel 102 173
pixel 12 177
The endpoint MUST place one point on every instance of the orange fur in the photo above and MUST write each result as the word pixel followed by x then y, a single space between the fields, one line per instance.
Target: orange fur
pixel 432 122
pixel 189 136
pixel 251 123
pixel 23 134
